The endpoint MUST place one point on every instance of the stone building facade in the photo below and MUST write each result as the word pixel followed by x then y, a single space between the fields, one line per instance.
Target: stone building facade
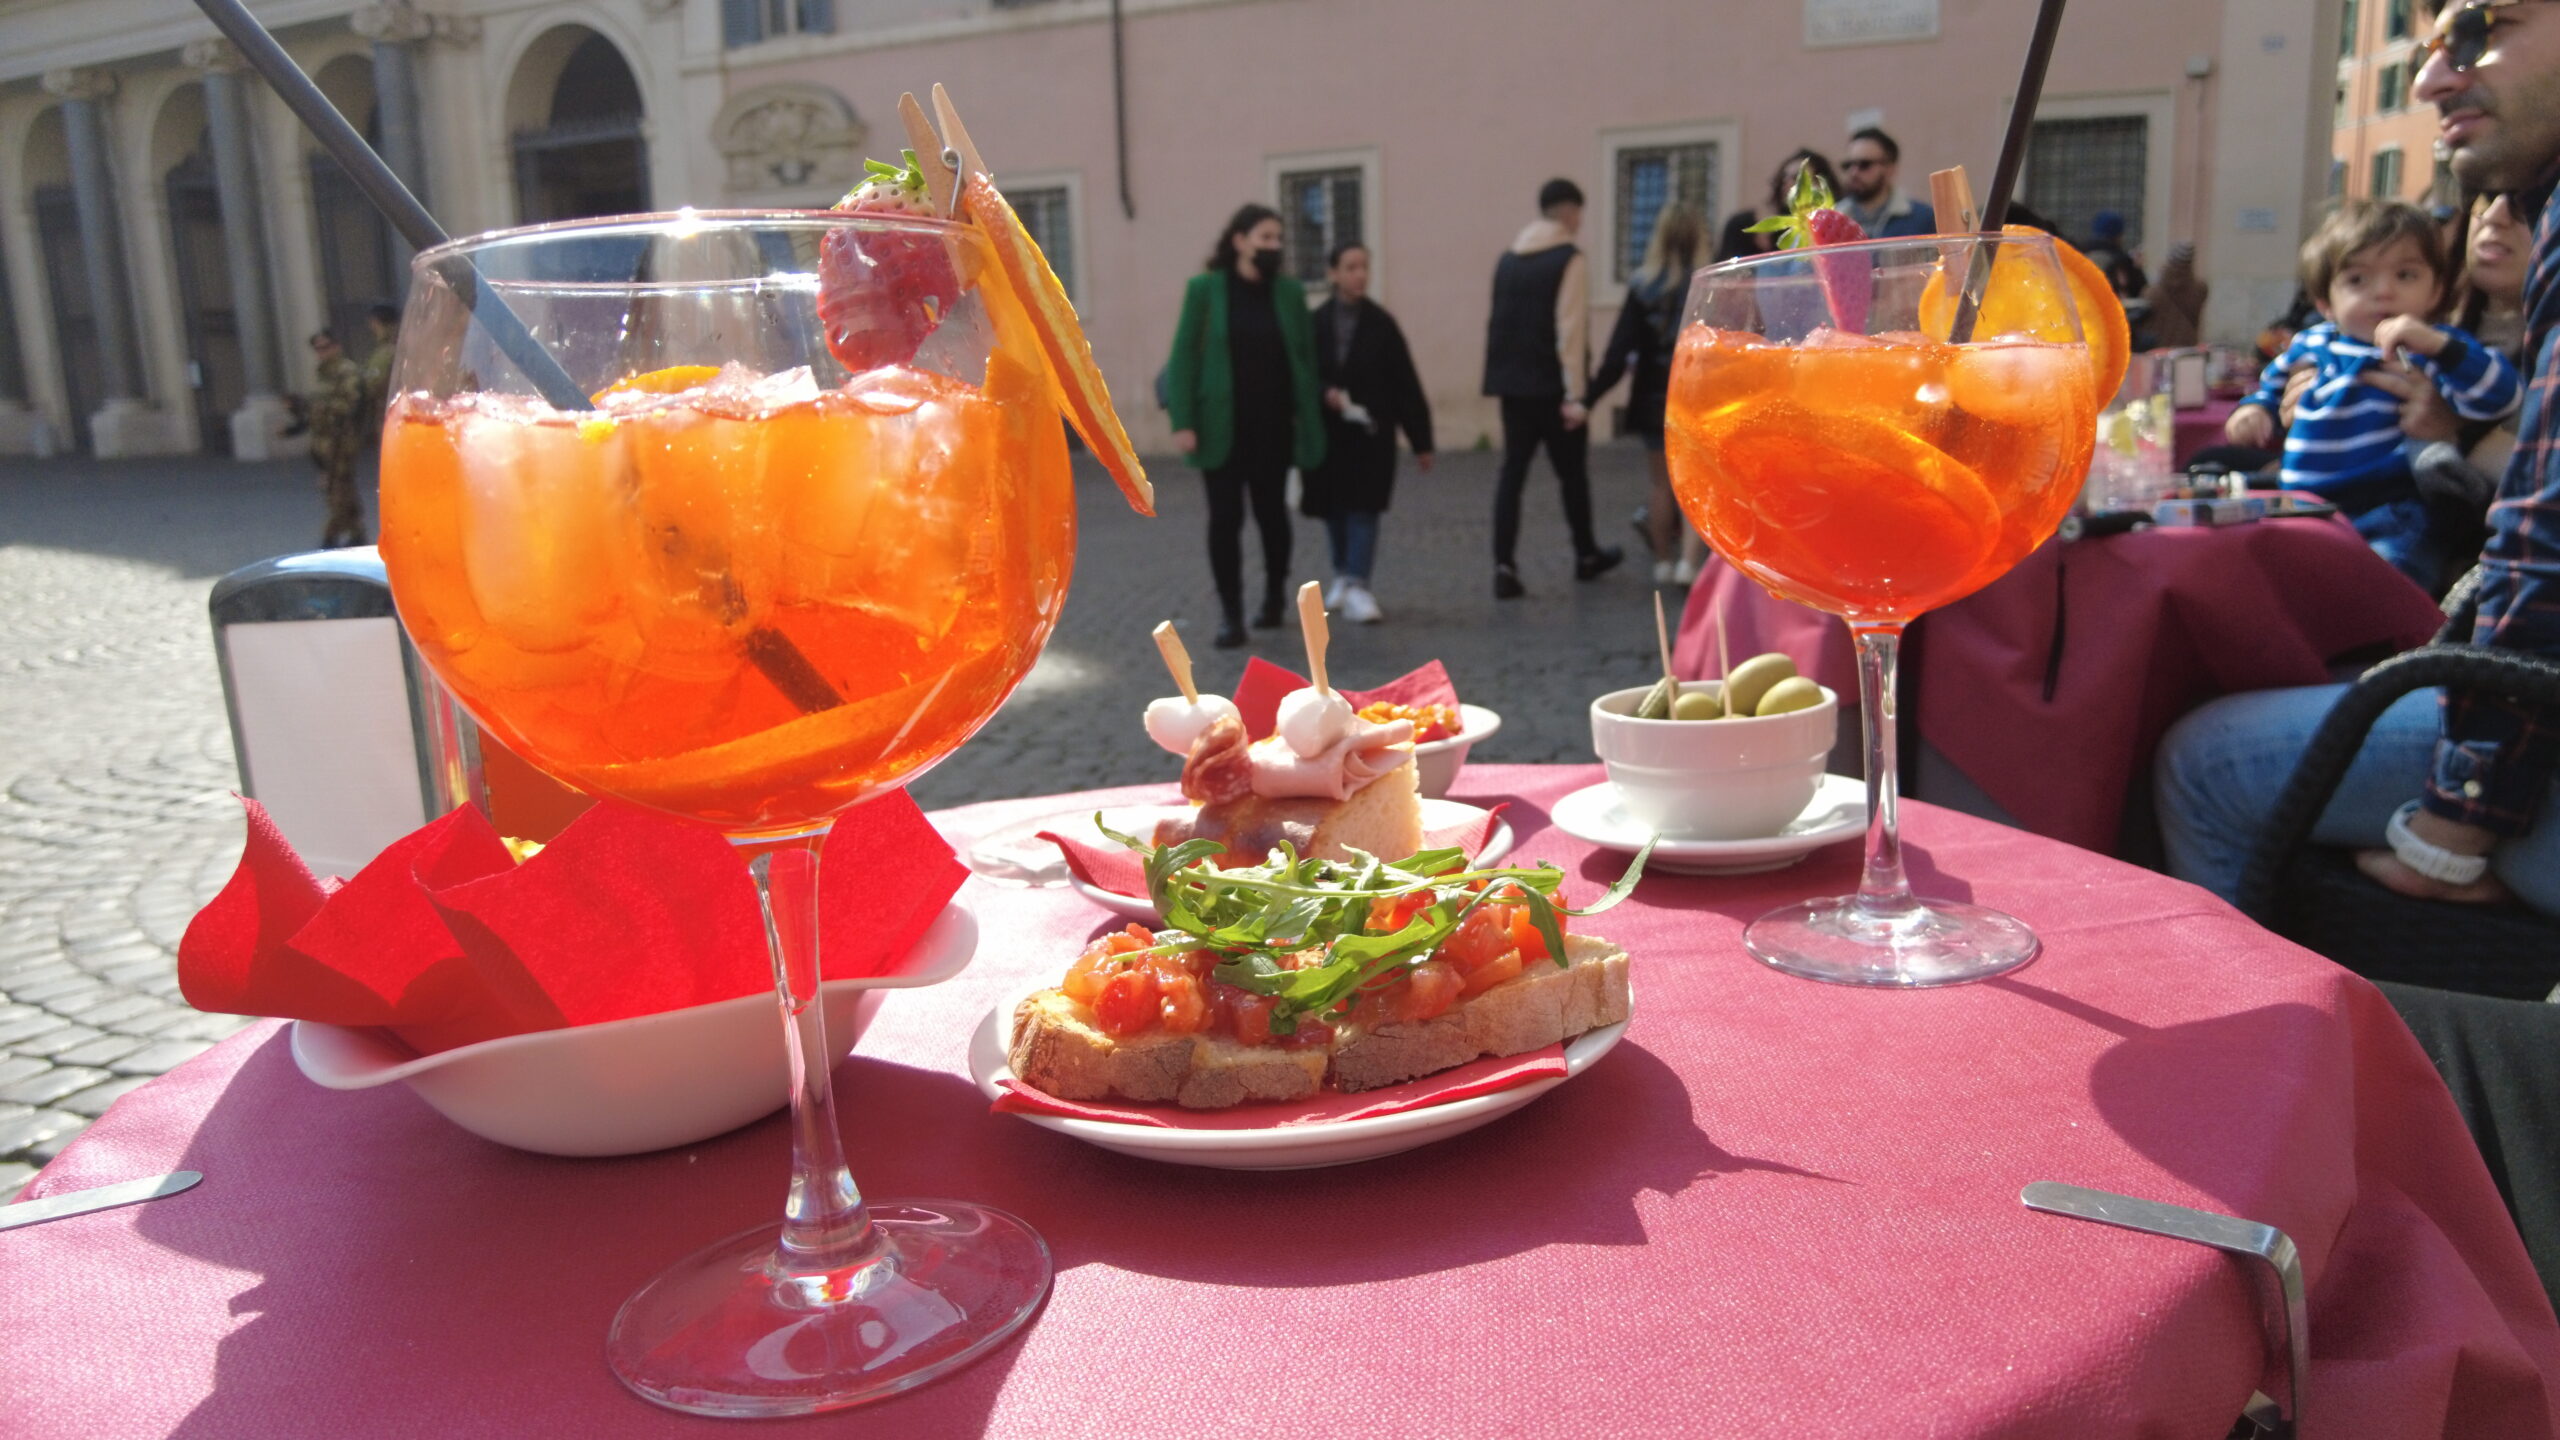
pixel 170 237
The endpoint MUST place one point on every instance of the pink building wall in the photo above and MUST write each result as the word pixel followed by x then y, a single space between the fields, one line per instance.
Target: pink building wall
pixel 1469 107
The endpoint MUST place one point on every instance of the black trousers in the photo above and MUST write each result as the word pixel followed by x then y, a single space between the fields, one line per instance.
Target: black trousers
pixel 1528 424
pixel 1259 474
pixel 2501 1059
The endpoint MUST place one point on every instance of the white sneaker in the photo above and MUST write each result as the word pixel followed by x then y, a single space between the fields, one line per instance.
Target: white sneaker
pixel 1334 592
pixel 1360 607
pixel 1661 572
pixel 1684 573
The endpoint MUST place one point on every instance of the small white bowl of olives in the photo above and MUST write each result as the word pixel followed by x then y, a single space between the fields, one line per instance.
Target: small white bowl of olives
pixel 1693 771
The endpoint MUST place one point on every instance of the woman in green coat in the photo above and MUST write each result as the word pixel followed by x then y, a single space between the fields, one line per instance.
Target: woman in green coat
pixel 1242 388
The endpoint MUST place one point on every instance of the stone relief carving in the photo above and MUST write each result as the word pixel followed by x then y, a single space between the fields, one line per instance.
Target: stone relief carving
pixel 396 22
pixel 789 137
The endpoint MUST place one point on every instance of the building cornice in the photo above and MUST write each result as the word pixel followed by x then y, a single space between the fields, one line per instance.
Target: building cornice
pixel 77 40
pixel 1053 14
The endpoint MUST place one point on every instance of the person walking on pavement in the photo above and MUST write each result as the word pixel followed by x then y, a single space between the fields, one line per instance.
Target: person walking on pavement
pixel 1536 361
pixel 1241 386
pixel 1370 392
pixel 385 324
pixel 1869 194
pixel 1641 342
pixel 336 412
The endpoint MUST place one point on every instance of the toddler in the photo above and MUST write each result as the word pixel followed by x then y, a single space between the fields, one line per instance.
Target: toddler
pixel 2376 270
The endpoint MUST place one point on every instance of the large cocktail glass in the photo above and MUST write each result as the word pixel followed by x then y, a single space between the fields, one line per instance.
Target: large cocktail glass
pixel 751 589
pixel 1833 444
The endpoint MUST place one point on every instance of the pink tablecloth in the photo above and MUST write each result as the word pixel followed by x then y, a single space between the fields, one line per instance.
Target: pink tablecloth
pixel 1779 1208
pixel 2156 623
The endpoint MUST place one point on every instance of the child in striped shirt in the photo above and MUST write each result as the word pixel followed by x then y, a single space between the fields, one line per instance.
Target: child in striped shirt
pixel 2376 269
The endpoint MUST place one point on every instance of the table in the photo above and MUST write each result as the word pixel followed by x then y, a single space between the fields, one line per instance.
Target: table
pixel 2154 623
pixel 1778 1208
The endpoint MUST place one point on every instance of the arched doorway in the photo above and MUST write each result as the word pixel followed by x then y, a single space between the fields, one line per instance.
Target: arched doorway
pixel 215 368
pixel 575 109
pixel 66 272
pixel 359 269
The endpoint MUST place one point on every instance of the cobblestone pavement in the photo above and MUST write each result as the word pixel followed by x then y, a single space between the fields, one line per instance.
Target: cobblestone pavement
pixel 116 767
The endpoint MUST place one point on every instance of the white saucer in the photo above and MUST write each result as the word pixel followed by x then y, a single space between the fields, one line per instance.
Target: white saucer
pixel 1838 812
pixel 1285 1147
pixel 1141 822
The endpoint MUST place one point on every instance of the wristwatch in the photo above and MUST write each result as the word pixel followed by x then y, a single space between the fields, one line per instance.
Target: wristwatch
pixel 2431 860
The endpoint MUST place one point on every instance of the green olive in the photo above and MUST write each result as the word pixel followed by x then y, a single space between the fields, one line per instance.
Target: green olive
pixel 1698 705
pixel 1656 704
pixel 1793 693
pixel 1752 679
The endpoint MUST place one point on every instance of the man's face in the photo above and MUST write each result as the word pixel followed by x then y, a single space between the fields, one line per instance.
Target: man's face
pixel 2499 121
pixel 1568 215
pixel 324 349
pixel 1864 172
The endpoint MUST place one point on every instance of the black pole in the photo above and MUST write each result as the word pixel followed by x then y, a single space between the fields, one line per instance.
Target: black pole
pixel 392 198
pixel 2022 115
pixel 1120 111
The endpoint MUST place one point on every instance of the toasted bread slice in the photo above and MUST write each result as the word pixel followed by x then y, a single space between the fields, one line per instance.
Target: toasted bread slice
pixel 1543 1006
pixel 1382 818
pixel 1057 1048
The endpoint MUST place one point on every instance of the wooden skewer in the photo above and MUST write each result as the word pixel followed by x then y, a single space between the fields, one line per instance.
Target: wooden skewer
pixel 1311 623
pixel 1662 636
pixel 1176 659
pixel 928 148
pixel 1951 195
pixel 956 134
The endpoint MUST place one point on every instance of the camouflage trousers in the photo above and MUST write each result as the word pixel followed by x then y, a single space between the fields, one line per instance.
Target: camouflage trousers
pixel 345 522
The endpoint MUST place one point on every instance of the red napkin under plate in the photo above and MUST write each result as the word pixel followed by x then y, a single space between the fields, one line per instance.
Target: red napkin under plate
pixel 1259 692
pixel 1325 1107
pixel 445 940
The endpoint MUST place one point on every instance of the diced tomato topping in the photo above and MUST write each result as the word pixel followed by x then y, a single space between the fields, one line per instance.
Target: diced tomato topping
pixel 1101 960
pixel 1252 1018
pixel 1505 966
pixel 1185 1010
pixel 1127 1004
pixel 1524 934
pixel 1430 989
pixel 1386 917
pixel 1482 937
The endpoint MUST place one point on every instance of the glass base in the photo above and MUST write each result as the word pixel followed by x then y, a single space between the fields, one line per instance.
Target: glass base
pixel 726 1332
pixel 1931 942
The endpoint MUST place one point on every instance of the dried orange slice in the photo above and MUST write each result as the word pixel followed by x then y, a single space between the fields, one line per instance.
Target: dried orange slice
pixel 2017 304
pixel 673 380
pixel 1081 389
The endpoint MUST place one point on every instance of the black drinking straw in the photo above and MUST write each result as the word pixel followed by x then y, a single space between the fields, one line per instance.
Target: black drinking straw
pixel 771 651
pixel 393 199
pixel 2004 177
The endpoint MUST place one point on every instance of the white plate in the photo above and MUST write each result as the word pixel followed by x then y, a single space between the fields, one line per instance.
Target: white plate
pixel 1282 1147
pixel 624 1086
pixel 1838 812
pixel 1436 815
pixel 1436 763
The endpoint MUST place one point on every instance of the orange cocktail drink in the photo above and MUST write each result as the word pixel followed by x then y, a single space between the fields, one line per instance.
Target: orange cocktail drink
pixel 1877 477
pixel 1876 429
pixel 642 596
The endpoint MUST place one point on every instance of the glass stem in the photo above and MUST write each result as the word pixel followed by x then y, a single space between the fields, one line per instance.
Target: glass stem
pixel 1883 894
pixel 824 1226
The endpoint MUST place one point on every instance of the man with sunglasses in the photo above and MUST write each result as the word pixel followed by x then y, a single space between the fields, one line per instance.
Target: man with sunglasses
pixel 2458 787
pixel 1869 195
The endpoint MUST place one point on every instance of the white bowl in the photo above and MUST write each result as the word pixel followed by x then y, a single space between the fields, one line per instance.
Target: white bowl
pixel 1436 764
pixel 1713 779
pixel 625 1086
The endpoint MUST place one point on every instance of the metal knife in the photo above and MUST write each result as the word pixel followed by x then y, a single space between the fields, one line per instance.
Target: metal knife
pixel 103 1197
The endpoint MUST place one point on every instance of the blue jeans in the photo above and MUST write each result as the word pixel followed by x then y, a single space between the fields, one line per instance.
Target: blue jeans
pixel 1355 542
pixel 2220 770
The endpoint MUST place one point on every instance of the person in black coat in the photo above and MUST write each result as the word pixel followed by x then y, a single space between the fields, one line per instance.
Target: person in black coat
pixel 1639 350
pixel 1370 392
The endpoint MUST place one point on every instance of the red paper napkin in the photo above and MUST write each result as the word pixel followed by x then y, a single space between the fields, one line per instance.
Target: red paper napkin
pixel 446 941
pixel 1258 693
pixel 1116 868
pixel 1476 1077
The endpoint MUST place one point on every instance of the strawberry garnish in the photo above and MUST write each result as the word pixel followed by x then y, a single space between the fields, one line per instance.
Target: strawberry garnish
pixel 879 294
pixel 1813 221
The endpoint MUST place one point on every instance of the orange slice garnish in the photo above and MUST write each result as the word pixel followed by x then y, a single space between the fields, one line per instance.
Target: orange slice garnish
pixel 1082 393
pixel 673 380
pixel 2019 302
